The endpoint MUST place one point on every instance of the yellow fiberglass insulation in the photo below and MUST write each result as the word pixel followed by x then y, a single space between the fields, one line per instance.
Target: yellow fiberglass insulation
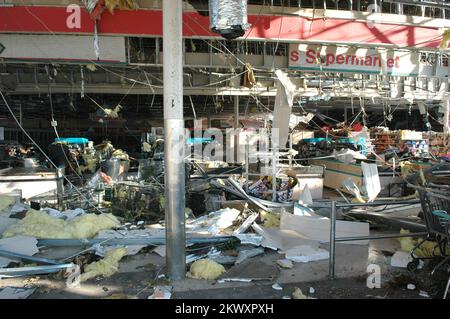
pixel 425 250
pixel 105 267
pixel 40 225
pixel 270 220
pixel 6 202
pixel 205 269
pixel 298 294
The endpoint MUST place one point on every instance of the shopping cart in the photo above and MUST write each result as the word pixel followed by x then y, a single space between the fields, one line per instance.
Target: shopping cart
pixel 435 201
pixel 444 217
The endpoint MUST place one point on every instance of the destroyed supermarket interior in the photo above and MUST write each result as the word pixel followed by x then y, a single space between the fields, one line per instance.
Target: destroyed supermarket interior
pixel 224 149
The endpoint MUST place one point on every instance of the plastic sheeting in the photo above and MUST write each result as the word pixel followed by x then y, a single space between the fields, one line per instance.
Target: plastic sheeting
pixel 282 110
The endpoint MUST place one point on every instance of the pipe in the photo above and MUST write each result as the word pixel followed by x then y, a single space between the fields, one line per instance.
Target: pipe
pixel 17 256
pixel 35 270
pixel 60 186
pixel 332 260
pixel 342 239
pixel 274 174
pixel 174 151
pixel 379 203
pixel 376 203
pixel 247 158
pixel 151 241
pixel 236 128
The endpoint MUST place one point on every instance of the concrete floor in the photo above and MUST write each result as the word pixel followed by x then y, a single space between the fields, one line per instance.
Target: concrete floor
pixel 138 274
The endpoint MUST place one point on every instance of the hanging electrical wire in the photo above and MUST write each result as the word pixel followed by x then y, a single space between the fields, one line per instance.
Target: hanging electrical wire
pixel 54 124
pixel 45 154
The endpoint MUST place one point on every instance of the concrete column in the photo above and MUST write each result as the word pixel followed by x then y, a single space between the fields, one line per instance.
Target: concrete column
pixel 174 149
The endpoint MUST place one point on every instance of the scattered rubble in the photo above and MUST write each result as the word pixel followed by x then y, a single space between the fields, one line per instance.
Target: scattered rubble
pixel 298 294
pixel 401 259
pixel 239 225
pixel 285 263
pixel 304 254
pixel 277 287
pixel 248 253
pixel 16 293
pixel 161 292
pixel 411 287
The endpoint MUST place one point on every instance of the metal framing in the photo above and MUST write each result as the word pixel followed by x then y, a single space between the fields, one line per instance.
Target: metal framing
pixel 333 239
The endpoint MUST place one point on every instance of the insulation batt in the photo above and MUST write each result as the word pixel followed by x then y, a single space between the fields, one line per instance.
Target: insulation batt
pixel 298 294
pixel 6 202
pixel 270 220
pixel 205 269
pixel 425 250
pixel 40 225
pixel 106 267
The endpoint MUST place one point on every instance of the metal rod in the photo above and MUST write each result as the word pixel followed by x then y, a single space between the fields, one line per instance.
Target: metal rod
pixel 17 256
pixel 380 203
pixel 377 203
pixel 174 152
pixel 447 289
pixel 25 271
pixel 342 239
pixel 274 174
pixel 247 158
pixel 290 148
pixel 60 186
pixel 342 195
pixel 236 128
pixel 151 241
pixel 445 130
pixel 332 240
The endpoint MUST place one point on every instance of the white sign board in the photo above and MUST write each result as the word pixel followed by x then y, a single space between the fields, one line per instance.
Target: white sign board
pixel 351 59
pixel 62 47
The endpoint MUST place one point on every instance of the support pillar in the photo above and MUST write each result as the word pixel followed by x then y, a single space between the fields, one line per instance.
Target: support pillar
pixel 174 144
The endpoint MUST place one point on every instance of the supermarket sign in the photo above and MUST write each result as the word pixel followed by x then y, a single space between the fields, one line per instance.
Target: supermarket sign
pixel 352 59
